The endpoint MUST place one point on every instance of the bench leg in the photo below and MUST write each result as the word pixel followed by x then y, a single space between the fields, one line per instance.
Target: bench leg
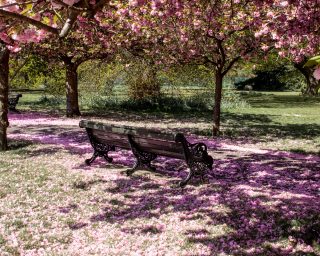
pixel 102 152
pixel 196 169
pixel 140 165
pixel 184 182
pixel 90 160
pixel 100 149
pixel 143 159
pixel 107 158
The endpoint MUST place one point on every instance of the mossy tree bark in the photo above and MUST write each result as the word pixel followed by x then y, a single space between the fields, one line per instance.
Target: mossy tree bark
pixel 4 90
pixel 313 85
pixel 71 87
pixel 217 102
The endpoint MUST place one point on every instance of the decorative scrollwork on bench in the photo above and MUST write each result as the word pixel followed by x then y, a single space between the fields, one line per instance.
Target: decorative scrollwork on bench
pixel 143 159
pixel 197 158
pixel 100 149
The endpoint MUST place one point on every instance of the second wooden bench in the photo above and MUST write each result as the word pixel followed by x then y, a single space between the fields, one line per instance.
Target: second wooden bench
pixel 13 100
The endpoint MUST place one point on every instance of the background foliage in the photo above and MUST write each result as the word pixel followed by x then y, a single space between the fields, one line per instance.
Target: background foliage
pixel 137 84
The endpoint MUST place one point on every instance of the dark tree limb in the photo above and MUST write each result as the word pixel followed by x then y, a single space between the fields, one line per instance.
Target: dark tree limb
pixel 26 19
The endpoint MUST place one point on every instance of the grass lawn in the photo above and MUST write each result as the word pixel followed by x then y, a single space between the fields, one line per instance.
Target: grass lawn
pixel 278 120
pixel 256 201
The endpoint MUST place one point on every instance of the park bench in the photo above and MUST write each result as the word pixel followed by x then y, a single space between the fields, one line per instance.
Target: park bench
pixel 13 100
pixel 146 145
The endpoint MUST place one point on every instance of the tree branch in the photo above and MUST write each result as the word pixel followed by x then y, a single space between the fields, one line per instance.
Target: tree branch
pixel 69 23
pixel 231 63
pixel 222 52
pixel 75 10
pixel 103 56
pixel 33 22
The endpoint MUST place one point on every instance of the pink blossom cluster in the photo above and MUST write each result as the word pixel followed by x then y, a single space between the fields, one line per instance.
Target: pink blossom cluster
pixel 291 27
pixel 16 33
pixel 179 30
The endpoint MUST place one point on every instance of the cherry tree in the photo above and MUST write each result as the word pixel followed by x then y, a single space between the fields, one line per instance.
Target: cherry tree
pixel 216 34
pixel 219 33
pixel 213 33
pixel 23 22
pixel 11 35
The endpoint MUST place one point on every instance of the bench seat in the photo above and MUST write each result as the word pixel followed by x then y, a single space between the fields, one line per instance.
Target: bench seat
pixel 146 145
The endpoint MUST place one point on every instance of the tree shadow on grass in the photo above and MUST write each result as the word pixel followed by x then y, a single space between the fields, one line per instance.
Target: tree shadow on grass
pixel 70 139
pixel 260 199
pixel 18 144
pixel 242 127
pixel 260 100
pixel 238 128
pixel 262 127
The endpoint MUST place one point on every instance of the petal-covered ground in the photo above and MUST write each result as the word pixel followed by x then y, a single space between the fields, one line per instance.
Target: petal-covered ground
pixel 254 202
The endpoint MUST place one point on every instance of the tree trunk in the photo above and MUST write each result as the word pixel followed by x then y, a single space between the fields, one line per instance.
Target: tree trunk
pixel 217 103
pixel 72 88
pixel 4 90
pixel 313 85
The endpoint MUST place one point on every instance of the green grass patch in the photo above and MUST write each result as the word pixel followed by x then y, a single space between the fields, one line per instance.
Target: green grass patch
pixel 279 120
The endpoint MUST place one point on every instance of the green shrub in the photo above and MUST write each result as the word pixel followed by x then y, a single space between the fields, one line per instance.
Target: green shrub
pixel 52 101
pixel 33 72
pixel 202 101
pixel 142 80
pixel 198 102
pixel 99 77
pixel 272 74
pixel 99 102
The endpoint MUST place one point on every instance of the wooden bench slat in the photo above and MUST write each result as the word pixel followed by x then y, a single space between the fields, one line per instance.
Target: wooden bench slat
pixel 118 140
pixel 115 142
pixel 160 147
pixel 164 153
pixel 167 145
pixel 170 145
pixel 147 133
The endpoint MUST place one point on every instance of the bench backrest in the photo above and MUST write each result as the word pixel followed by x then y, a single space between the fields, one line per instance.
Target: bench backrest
pixel 13 100
pixel 148 140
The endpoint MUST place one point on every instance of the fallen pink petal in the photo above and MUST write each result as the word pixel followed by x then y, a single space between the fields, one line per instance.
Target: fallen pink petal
pixel 253 201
